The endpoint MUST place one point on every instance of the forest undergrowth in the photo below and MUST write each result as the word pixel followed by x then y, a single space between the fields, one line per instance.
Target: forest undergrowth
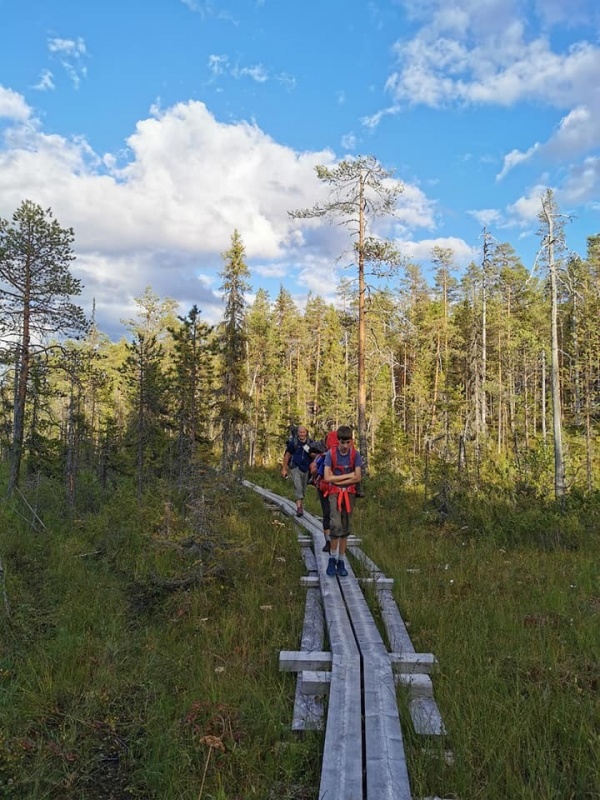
pixel 139 642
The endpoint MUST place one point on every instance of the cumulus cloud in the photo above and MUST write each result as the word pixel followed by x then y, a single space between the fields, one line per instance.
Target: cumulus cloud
pixel 13 106
pixel 162 212
pixel 504 53
pixel 420 251
pixel 167 214
pixel 525 210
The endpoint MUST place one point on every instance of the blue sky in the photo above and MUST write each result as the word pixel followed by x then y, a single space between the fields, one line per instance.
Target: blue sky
pixel 154 129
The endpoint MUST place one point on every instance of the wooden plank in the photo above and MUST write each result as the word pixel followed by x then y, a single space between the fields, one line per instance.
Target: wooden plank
pixel 315 681
pixel 396 631
pixel 298 660
pixel 309 559
pixel 413 662
pixel 309 710
pixel 310 581
pixel 386 770
pixel 426 717
pixel 342 766
pixel 418 685
pixel 378 580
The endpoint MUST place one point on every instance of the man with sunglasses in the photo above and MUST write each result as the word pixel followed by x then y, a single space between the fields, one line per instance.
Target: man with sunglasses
pixel 343 470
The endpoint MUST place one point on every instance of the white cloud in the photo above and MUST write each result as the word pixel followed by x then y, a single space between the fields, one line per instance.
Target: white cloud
pixel 13 106
pixel 583 182
pixel 207 8
pixel 414 210
pixel 163 212
pixel 487 217
pixel 168 213
pixel 45 82
pixel 526 209
pixel 70 53
pixel 516 157
pixel 218 64
pixel 349 141
pixel 420 251
pixel 258 73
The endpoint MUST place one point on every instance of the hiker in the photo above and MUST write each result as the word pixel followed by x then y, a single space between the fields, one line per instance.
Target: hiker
pixel 331 440
pixel 296 461
pixel 317 478
pixel 343 470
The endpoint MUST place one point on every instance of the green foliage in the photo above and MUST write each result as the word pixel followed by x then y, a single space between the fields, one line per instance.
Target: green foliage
pixel 506 597
pixel 140 630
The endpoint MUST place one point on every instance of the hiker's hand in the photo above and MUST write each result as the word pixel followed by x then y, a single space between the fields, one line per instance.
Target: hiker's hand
pixel 284 472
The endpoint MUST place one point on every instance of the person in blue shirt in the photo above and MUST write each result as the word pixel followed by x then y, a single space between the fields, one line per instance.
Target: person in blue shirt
pixel 343 471
pixel 296 461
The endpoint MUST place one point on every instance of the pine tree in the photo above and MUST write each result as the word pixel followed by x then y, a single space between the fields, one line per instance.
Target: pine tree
pixel 146 382
pixel 233 340
pixel 361 190
pixel 35 290
pixel 192 368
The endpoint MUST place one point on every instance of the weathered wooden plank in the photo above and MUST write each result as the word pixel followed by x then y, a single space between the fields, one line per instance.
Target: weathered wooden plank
pixel 396 631
pixel 426 717
pixel 309 559
pixel 362 557
pixel 310 581
pixel 418 685
pixel 342 767
pixel 315 681
pixel 378 580
pixel 309 710
pixel 413 662
pixel 386 770
pixel 298 660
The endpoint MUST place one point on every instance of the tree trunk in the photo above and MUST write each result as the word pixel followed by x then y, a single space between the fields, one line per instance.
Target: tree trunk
pixel 362 387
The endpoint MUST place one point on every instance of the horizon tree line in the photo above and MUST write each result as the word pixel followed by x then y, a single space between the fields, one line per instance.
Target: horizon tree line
pixel 467 373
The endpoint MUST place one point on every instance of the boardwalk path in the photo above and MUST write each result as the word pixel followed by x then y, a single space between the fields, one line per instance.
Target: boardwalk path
pixel 363 757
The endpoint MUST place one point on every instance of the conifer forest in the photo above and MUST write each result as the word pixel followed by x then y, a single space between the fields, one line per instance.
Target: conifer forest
pixel 486 378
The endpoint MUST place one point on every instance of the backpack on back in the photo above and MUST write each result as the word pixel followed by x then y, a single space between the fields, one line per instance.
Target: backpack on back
pixel 316 469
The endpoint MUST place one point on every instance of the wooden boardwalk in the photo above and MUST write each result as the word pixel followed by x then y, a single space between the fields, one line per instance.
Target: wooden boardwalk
pixel 363 755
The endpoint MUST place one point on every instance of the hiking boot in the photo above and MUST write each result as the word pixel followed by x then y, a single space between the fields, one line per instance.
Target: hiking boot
pixel 331 567
pixel 299 512
pixel 341 569
pixel 327 547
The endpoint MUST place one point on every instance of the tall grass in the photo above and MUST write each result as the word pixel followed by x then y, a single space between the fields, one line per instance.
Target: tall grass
pixel 140 659
pixel 510 605
pixel 113 679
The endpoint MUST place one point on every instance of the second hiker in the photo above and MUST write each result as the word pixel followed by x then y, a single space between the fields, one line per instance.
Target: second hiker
pixel 296 461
